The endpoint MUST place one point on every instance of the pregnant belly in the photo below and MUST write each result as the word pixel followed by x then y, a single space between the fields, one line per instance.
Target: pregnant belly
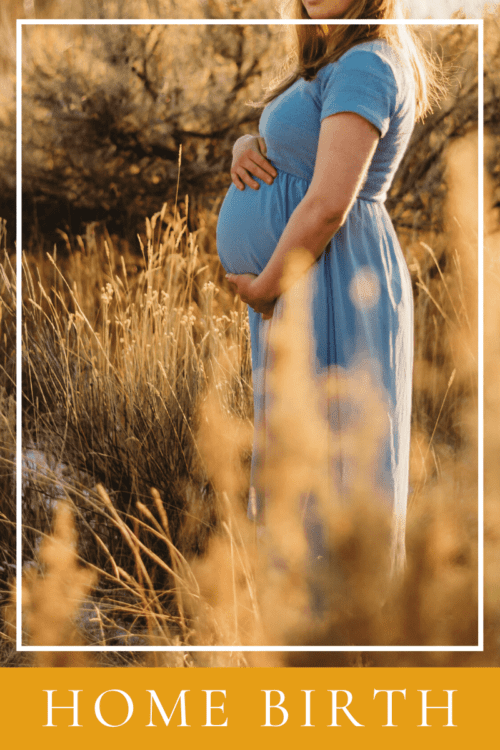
pixel 251 222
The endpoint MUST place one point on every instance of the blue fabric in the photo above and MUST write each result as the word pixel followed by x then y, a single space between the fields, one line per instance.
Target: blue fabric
pixel 373 81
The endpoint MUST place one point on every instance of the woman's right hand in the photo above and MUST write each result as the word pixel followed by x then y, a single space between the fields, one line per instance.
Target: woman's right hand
pixel 249 161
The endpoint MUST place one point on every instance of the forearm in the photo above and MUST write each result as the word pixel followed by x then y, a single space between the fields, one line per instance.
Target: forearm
pixel 310 227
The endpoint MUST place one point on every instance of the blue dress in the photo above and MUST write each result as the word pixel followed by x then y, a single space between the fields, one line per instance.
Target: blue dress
pixel 361 297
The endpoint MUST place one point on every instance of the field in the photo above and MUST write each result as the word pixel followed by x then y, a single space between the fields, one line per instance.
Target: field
pixel 137 430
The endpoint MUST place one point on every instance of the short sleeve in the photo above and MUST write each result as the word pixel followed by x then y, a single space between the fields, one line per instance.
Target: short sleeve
pixel 362 82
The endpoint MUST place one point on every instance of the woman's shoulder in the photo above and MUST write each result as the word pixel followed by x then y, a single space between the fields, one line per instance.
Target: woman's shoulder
pixel 371 75
pixel 376 57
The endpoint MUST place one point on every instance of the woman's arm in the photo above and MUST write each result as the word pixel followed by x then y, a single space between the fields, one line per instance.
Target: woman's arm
pixel 249 159
pixel 346 146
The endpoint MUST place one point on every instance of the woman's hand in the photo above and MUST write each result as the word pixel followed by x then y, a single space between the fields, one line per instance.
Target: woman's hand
pixel 245 285
pixel 249 159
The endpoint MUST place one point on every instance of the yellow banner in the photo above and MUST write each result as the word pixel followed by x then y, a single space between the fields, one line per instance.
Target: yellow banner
pixel 71 708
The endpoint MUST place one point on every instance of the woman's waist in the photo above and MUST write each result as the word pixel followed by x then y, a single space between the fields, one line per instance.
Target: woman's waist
pixel 375 188
pixel 372 198
pixel 291 167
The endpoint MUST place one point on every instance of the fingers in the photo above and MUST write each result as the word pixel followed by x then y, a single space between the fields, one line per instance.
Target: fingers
pixel 266 311
pixel 249 165
pixel 242 177
pixel 244 171
pixel 261 166
pixel 238 181
pixel 264 308
pixel 241 284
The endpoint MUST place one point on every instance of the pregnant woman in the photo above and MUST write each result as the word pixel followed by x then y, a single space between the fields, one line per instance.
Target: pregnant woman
pixel 332 135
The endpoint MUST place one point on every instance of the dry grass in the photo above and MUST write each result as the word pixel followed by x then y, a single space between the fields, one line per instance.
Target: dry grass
pixel 137 392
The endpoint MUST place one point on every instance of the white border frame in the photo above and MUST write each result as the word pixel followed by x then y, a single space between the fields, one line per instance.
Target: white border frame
pixel 260 22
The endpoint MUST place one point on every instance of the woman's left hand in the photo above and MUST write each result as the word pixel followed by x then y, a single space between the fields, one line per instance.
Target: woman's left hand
pixel 244 285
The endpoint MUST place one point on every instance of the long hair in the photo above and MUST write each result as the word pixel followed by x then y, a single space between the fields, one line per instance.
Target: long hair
pixel 314 46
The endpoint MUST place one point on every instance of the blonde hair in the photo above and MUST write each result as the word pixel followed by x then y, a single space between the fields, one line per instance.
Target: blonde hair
pixel 314 46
